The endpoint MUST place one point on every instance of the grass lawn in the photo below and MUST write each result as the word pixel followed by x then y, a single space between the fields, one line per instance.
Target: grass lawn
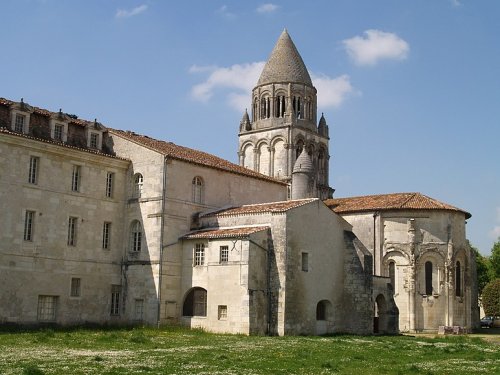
pixel 180 351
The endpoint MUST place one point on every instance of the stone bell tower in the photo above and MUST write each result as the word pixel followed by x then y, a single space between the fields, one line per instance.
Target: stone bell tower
pixel 283 123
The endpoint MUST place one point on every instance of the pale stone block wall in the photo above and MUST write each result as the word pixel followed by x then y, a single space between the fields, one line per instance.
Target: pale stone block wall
pixel 45 265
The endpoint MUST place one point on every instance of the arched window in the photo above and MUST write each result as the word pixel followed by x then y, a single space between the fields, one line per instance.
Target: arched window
pixel 138 184
pixel 428 278
pixel 135 236
pixel 195 303
pixel 392 274
pixel 298 148
pixel 458 280
pixel 197 188
pixel 280 107
pixel 321 310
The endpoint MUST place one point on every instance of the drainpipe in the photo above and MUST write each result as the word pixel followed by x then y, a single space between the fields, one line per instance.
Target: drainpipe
pixel 162 224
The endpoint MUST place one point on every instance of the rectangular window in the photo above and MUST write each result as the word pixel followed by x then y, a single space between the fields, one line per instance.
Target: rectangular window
pixel 75 287
pixel 115 299
pixel 305 262
pixel 139 309
pixel 224 254
pixel 94 140
pixel 58 132
pixel 199 254
pixel 47 308
pixel 109 184
pixel 75 178
pixel 29 221
pixel 19 123
pixel 72 223
pixel 33 171
pixel 222 312
pixel 106 234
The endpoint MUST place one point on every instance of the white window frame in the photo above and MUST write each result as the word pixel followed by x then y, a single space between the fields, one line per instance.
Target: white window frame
pixel 26 115
pixel 76 176
pixel 72 230
pixel 110 180
pixel 222 312
pixel 99 139
pixel 138 185
pixel 64 134
pixel 199 254
pixel 29 225
pixel 135 237
pixel 33 170
pixel 106 235
pixel 47 308
pixel 223 254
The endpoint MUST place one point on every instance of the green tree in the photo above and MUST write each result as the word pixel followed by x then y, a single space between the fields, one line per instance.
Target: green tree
pixel 495 260
pixel 483 270
pixel 491 298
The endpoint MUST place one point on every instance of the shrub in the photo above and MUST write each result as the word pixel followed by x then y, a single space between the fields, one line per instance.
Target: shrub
pixel 491 298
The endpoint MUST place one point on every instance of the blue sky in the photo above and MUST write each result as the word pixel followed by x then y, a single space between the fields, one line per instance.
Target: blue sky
pixel 410 89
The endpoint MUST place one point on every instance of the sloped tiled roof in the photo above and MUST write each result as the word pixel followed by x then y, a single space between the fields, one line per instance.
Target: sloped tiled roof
pixel 273 207
pixel 385 202
pixel 61 144
pixel 45 112
pixel 285 64
pixel 190 155
pixel 224 232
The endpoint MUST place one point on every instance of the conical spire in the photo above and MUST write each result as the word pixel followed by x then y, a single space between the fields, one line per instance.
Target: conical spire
pixel 245 122
pixel 285 64
pixel 303 163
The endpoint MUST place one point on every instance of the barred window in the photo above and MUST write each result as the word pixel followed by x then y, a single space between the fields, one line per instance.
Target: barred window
pixel 138 185
pixel 94 140
pixel 199 254
pixel 222 312
pixel 224 254
pixel 47 308
pixel 29 221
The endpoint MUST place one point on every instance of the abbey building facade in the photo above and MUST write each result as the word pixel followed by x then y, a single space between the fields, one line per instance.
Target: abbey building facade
pixel 106 226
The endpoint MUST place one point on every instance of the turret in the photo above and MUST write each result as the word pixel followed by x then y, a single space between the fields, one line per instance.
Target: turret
pixel 245 124
pixel 303 184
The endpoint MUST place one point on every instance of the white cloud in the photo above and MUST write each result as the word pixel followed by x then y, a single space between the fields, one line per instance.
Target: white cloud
pixel 456 3
pixel 239 80
pixel 332 91
pixel 267 8
pixel 224 11
pixel 123 13
pixel 376 45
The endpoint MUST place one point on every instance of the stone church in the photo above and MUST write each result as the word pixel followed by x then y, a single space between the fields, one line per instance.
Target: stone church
pixel 105 226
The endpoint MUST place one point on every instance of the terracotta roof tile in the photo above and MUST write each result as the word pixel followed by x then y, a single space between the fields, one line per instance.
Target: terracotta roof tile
pixel 224 232
pixel 190 155
pixel 273 207
pixel 385 202
pixel 91 151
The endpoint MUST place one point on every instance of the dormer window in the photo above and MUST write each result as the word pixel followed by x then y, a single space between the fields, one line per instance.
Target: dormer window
pixel 58 132
pixel 94 140
pixel 19 123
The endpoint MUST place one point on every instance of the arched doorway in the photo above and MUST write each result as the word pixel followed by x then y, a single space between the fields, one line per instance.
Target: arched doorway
pixel 195 303
pixel 324 317
pixel 380 320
